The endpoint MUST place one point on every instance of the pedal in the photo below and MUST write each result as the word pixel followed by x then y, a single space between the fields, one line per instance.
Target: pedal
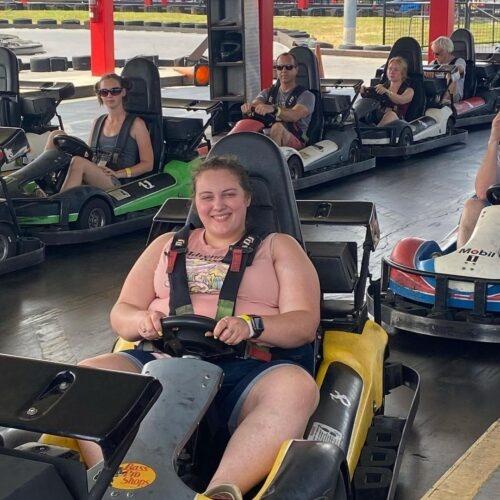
pixel 371 483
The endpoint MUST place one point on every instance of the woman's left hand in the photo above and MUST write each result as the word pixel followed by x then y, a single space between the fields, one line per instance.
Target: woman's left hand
pixel 380 89
pixel 231 330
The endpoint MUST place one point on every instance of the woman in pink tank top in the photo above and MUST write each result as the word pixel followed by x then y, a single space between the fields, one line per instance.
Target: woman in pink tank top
pixel 264 402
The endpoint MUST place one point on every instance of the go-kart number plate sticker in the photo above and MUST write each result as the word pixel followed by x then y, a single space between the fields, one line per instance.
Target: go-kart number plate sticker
pixel 119 194
pixel 133 476
pixel 325 434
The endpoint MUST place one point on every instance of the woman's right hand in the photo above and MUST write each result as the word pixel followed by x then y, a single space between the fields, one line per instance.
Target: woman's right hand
pixel 149 326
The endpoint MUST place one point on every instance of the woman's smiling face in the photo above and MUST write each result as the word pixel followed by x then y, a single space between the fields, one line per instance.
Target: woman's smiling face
pixel 221 204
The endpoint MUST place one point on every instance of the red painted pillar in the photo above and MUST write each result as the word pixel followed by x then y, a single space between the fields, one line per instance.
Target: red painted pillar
pixel 164 2
pixel 441 21
pixel 266 42
pixel 302 4
pixel 102 45
pixel 148 3
pixel 24 2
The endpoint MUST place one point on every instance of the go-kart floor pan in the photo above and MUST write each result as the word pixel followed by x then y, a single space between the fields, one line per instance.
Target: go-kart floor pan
pixel 331 173
pixel 32 253
pixel 458 136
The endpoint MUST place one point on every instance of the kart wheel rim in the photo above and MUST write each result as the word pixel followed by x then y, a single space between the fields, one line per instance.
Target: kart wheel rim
pixel 97 218
pixel 4 247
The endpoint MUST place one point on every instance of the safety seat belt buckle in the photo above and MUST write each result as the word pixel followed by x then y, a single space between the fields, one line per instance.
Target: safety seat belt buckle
pixel 261 353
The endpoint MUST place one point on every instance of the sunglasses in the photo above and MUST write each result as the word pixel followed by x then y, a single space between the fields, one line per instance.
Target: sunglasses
pixel 106 92
pixel 281 67
pixel 437 53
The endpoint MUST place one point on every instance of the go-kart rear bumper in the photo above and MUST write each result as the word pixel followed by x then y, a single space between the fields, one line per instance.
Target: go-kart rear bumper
pixel 32 252
pixel 389 150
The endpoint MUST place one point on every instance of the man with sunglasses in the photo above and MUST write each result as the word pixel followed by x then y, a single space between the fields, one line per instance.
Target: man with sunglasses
pixel 291 105
pixel 442 47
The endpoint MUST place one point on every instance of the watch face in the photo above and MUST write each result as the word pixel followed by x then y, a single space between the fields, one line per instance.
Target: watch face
pixel 257 324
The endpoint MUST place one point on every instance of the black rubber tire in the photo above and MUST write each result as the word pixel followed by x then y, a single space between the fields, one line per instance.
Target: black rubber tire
pixel 8 243
pixel 47 22
pixel 377 47
pixel 94 214
pixel 187 25
pixel 22 21
pixel 119 23
pixel 40 64
pixel 405 139
pixel 349 46
pixel 58 64
pixel 152 23
pixel 81 63
pixel 134 23
pixel 354 152
pixel 295 167
pixel 70 22
pixel 171 25
pixel 4 21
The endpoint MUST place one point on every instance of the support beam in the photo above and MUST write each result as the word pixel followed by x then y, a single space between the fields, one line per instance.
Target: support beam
pixel 441 21
pixel 303 4
pixel 350 8
pixel 266 42
pixel 102 44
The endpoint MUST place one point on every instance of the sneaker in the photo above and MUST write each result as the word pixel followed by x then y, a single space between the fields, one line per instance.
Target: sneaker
pixel 224 492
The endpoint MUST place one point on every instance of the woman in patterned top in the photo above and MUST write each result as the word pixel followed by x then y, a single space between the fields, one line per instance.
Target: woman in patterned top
pixel 263 403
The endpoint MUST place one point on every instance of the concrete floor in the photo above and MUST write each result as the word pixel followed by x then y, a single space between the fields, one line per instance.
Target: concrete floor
pixel 59 310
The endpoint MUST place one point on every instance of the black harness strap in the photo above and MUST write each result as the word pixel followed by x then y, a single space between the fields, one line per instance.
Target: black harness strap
pixel 121 140
pixel 238 257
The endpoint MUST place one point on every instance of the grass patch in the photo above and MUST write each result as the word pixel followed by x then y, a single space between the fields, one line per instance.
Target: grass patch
pixel 327 29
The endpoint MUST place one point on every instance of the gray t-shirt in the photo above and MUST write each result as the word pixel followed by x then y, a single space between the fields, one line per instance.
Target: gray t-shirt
pixel 459 86
pixel 307 99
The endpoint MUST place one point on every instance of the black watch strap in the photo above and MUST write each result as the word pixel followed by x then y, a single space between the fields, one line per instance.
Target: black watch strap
pixel 257 325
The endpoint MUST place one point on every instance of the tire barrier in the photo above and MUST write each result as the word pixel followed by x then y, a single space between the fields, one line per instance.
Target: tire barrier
pixel 70 22
pixel 152 23
pixel 187 25
pixel 119 23
pixel 350 46
pixel 155 59
pixel 171 25
pixel 22 21
pixel 40 64
pixel 133 23
pixel 58 64
pixel 4 21
pixel 47 22
pixel 377 47
pixel 80 63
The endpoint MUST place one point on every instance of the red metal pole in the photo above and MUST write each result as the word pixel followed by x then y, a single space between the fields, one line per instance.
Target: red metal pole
pixel 164 2
pixel 24 2
pixel 102 43
pixel 266 33
pixel 148 3
pixel 302 4
pixel 441 21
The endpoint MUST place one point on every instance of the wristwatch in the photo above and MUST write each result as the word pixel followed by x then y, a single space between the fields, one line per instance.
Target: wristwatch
pixel 276 110
pixel 257 326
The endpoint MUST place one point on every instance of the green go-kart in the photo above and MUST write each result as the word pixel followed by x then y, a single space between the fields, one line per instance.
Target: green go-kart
pixel 87 213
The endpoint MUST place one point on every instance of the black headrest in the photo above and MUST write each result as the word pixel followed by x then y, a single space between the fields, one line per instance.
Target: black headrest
pixel 409 49
pixel 463 42
pixel 273 206
pixel 308 74
pixel 144 96
pixel 10 111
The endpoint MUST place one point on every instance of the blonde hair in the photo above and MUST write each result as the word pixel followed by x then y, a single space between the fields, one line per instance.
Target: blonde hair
pixel 403 65
pixel 445 43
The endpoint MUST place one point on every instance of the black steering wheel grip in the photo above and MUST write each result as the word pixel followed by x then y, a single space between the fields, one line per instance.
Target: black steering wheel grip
pixel 72 146
pixel 194 321
pixel 493 194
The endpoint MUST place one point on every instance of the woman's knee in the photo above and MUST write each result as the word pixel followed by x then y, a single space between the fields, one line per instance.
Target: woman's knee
pixel 77 164
pixel 109 362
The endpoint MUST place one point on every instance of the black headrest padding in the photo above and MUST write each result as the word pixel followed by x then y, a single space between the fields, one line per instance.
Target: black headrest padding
pixel 144 99
pixel 10 114
pixel 463 42
pixel 409 49
pixel 308 74
pixel 273 207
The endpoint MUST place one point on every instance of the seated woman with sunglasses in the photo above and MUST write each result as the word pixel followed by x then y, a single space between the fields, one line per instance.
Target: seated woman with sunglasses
pixel 136 157
pixel 291 104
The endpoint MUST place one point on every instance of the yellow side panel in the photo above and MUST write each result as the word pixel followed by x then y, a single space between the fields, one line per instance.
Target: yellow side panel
pixel 64 442
pixel 364 354
pixel 123 345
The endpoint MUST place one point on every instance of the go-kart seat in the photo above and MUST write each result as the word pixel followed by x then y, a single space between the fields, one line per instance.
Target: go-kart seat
pixel 409 49
pixel 144 100
pixel 273 204
pixel 463 42
pixel 10 109
pixel 308 77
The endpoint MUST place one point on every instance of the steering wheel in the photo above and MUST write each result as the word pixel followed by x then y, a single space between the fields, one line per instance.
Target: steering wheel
pixel 371 93
pixel 184 335
pixel 266 120
pixel 493 194
pixel 73 146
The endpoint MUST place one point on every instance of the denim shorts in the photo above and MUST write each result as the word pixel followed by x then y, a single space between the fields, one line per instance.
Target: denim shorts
pixel 240 375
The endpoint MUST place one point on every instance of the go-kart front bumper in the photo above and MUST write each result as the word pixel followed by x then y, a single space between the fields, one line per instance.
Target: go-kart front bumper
pixel 31 253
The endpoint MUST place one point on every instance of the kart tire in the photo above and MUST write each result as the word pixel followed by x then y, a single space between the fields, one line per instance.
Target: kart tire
pixel 40 64
pixel 295 167
pixel 94 214
pixel 70 22
pixel 47 22
pixel 354 153
pixel 405 139
pixel 8 242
